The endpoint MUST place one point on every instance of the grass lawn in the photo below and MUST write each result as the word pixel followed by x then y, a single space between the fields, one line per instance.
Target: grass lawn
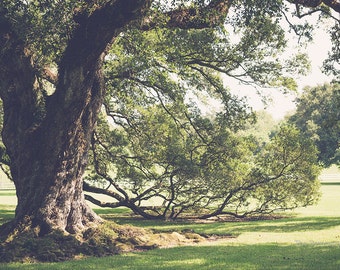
pixel 259 256
pixel 309 239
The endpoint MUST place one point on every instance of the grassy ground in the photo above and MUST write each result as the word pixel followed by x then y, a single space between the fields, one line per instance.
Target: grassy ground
pixel 264 256
pixel 309 239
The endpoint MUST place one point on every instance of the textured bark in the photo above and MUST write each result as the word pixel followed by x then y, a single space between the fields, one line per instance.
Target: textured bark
pixel 48 151
pixel 198 18
pixel 47 137
pixel 333 4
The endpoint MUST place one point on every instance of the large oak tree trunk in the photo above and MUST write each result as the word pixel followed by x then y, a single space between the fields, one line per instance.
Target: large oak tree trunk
pixel 47 137
pixel 48 152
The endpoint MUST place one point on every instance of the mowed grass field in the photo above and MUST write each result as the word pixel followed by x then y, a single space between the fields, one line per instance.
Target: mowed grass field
pixel 308 238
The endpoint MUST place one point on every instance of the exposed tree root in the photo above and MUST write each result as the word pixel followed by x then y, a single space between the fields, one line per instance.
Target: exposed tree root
pixel 104 240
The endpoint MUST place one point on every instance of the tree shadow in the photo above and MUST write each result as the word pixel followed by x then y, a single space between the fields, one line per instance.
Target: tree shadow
pixel 5 215
pixel 295 224
pixel 283 225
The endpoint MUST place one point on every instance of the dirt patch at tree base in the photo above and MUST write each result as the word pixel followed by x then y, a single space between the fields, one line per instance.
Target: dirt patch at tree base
pixel 104 240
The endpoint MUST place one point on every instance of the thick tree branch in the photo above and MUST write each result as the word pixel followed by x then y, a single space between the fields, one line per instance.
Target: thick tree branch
pixel 17 90
pixel 212 15
pixel 100 203
pixel 115 195
pixel 139 210
pixel 209 16
pixel 87 47
pixel 333 4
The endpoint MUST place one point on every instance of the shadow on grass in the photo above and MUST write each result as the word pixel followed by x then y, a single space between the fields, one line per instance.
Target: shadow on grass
pixel 330 183
pixel 268 256
pixel 284 225
pixel 6 214
pixel 297 224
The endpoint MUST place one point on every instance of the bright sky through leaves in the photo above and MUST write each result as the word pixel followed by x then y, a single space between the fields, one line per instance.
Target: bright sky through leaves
pixel 281 104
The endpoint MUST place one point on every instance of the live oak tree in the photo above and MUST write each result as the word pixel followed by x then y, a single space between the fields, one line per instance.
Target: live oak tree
pixel 52 84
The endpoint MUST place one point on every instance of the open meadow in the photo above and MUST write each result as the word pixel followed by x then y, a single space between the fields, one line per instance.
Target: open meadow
pixel 308 238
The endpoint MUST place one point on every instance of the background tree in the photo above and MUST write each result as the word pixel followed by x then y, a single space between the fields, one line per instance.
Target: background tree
pixel 318 117
pixel 52 83
pixel 263 128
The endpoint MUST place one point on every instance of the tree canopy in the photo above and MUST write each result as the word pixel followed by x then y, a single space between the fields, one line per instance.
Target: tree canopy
pixel 61 61
pixel 47 32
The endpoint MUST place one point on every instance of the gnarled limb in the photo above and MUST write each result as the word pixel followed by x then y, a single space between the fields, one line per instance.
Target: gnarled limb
pixel 333 4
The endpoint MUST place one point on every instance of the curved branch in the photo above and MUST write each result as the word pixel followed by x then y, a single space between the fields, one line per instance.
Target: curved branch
pixel 84 56
pixel 333 4
pixel 209 16
pixel 139 210
pixel 102 204
pixel 92 189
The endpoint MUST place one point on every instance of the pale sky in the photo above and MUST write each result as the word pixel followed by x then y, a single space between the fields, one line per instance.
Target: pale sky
pixel 279 104
pixel 282 104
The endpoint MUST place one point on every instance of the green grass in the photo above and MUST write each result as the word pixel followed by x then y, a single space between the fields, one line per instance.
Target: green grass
pixel 266 256
pixel 7 193
pixel 5 215
pixel 307 239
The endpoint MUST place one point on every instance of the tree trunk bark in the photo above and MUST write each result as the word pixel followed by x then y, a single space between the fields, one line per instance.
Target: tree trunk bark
pixel 48 159
pixel 47 139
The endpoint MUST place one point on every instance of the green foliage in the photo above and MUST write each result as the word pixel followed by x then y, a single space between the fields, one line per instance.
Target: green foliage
pixel 170 151
pixel 317 116
pixel 46 26
pixel 157 145
pixel 331 64
pixel 191 165
pixel 262 129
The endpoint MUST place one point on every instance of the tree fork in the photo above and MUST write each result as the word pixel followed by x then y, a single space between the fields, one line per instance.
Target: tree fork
pixel 49 154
